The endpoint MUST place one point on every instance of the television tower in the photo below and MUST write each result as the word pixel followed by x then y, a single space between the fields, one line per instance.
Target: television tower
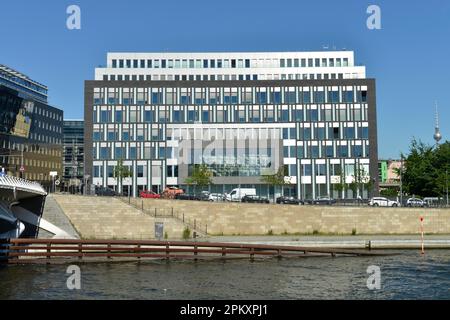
pixel 437 133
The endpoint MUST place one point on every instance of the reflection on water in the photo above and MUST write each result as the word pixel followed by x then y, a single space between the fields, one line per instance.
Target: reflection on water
pixel 405 276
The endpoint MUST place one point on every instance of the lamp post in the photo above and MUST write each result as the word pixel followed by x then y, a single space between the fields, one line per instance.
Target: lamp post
pixel 446 184
pixel 401 182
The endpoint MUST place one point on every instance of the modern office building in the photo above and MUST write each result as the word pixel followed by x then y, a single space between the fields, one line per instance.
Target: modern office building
pixel 73 154
pixel 244 115
pixel 30 129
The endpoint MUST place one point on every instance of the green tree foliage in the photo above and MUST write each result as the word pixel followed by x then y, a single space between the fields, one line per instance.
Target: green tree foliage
pixel 201 176
pixel 277 179
pixel 389 193
pixel 361 181
pixel 121 171
pixel 426 169
pixel 341 186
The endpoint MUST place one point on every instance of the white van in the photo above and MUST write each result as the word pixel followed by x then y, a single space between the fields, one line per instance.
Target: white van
pixel 238 193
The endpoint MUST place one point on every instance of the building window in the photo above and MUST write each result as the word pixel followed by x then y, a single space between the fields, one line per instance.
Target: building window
pixel 276 97
pixel 349 133
pixel 98 172
pixel 364 133
pixel 104 153
pixel 140 171
pixel 156 98
pixel 343 151
pixel 306 169
pixel 306 97
pixel 321 170
pixel 192 116
pixel 104 116
pixel 110 171
pixel 329 151
pixel 261 97
pixel 361 96
pixel 149 116
pixel 357 151
pixel 348 96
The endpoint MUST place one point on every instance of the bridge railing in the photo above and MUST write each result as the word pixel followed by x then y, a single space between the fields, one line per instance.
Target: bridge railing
pixel 11 182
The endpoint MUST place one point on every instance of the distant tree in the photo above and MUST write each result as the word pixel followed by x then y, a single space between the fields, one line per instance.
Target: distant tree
pixel 120 172
pixel 389 193
pixel 425 171
pixel 277 179
pixel 341 185
pixel 201 176
pixel 360 181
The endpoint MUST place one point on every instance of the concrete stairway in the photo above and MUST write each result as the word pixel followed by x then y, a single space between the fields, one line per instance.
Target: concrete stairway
pixel 55 215
pixel 110 218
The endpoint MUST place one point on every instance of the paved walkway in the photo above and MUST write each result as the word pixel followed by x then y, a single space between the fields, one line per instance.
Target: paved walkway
pixel 348 242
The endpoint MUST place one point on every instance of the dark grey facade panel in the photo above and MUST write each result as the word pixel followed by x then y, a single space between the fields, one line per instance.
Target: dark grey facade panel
pixel 371 101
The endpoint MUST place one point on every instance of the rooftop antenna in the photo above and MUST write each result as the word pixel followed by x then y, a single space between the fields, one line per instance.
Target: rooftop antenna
pixel 437 133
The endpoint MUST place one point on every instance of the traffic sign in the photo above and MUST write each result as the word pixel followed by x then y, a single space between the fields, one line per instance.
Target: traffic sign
pixel 57 182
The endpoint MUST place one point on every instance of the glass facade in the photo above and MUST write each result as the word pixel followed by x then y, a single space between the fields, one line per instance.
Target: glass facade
pixel 315 128
pixel 73 153
pixel 30 136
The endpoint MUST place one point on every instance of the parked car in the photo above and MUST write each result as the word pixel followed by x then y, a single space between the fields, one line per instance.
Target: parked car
pixel 382 202
pixel 216 197
pixel 204 195
pixel 238 193
pixel 171 192
pixel 186 196
pixel 432 201
pixel 415 202
pixel 254 199
pixel 324 201
pixel 289 200
pixel 148 194
pixel 105 192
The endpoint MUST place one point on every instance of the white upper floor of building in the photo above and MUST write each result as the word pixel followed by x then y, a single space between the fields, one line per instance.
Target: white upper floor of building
pixel 231 66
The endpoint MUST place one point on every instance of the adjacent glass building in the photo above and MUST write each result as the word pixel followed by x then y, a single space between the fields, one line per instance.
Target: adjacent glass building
pixel 30 129
pixel 73 154
pixel 244 115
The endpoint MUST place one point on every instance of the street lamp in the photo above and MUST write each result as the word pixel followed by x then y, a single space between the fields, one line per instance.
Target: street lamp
pixel 446 183
pixel 401 182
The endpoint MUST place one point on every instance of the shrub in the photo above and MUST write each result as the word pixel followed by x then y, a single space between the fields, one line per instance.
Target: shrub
pixel 166 235
pixel 270 232
pixel 186 233
pixel 315 232
pixel 353 232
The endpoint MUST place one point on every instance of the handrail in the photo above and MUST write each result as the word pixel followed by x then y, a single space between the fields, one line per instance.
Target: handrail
pixel 194 225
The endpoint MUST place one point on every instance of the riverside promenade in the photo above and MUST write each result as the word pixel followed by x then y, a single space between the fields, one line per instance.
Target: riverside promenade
pixel 326 226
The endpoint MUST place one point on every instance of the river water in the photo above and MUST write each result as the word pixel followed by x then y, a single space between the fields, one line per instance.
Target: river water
pixel 405 276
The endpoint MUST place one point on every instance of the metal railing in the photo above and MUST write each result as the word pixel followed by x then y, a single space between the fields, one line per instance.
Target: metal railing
pixel 158 212
pixel 10 182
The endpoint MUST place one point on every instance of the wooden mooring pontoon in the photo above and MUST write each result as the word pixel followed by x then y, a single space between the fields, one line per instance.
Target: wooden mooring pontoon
pixel 22 251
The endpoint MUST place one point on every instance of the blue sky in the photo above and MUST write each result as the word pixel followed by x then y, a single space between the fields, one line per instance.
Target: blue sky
pixel 409 56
